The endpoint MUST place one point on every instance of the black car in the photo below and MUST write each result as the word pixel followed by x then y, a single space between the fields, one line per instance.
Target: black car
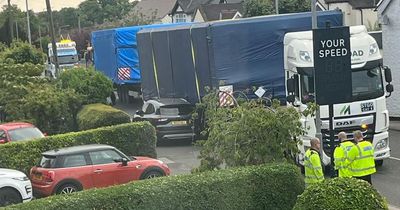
pixel 170 116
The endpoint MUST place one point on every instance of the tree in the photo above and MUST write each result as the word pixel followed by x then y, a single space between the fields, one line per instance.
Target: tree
pixel 267 7
pixel 22 52
pixel 249 134
pixel 94 86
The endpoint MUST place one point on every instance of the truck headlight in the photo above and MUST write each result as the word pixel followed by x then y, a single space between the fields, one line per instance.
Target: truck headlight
pixel 383 143
pixel 305 56
pixel 373 48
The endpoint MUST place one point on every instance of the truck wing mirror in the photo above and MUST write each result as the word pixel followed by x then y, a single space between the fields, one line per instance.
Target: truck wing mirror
pixel 291 85
pixel 389 88
pixel 388 74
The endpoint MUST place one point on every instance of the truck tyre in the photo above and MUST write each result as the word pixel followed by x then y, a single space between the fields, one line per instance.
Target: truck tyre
pixel 9 196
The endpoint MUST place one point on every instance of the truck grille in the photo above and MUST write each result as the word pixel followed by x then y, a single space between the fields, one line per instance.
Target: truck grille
pixel 327 145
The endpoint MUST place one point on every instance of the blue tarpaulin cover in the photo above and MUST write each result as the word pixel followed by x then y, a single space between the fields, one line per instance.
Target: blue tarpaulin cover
pixel 117 48
pixel 245 53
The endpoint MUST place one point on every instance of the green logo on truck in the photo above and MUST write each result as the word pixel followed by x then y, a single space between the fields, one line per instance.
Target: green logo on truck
pixel 345 110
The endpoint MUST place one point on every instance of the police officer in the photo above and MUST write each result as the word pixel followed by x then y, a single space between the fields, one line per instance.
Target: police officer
pixel 312 163
pixel 364 163
pixel 344 155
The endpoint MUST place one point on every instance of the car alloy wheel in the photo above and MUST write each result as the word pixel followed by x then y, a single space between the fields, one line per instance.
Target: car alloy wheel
pixel 153 174
pixel 68 189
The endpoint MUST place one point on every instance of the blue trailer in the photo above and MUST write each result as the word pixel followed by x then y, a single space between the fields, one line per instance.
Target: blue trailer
pixel 116 55
pixel 180 61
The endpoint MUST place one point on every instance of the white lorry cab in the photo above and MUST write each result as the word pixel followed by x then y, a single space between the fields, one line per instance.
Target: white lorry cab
pixel 67 56
pixel 367 112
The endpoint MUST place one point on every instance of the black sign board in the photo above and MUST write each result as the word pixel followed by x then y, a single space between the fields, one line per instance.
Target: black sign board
pixel 332 65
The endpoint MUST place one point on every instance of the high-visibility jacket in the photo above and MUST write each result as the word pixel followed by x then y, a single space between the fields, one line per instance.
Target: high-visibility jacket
pixel 344 155
pixel 364 163
pixel 313 168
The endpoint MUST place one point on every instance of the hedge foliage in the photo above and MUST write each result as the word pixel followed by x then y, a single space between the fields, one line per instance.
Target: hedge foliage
pixel 133 139
pixel 255 187
pixel 100 115
pixel 341 194
pixel 93 85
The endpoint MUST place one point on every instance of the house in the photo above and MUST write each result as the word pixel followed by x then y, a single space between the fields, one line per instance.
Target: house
pixel 356 12
pixel 212 12
pixel 185 10
pixel 157 11
pixel 388 14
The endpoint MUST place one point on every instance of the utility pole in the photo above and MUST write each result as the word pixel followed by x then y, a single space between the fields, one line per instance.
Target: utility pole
pixel 16 29
pixel 10 21
pixel 79 23
pixel 277 7
pixel 28 23
pixel 53 38
pixel 40 38
pixel 318 122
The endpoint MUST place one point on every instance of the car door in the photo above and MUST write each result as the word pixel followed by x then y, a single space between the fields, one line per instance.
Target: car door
pixel 106 171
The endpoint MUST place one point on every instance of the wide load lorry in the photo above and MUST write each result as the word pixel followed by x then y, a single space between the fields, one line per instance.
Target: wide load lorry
pixel 115 55
pixel 252 53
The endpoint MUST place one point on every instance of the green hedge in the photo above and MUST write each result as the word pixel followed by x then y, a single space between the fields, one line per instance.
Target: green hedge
pixel 256 187
pixel 99 115
pixel 341 194
pixel 132 139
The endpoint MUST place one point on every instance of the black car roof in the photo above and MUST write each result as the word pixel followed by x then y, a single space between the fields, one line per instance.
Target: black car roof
pixel 77 149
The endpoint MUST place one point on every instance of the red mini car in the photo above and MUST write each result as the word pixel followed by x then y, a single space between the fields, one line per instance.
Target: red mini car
pixel 18 131
pixel 72 169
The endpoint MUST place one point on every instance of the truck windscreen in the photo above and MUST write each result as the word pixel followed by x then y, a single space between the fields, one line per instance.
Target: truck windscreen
pixel 367 84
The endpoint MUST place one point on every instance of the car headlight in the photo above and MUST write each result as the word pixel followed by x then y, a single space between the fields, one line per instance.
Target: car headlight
pixel 305 56
pixel 383 143
pixel 373 48
pixel 21 178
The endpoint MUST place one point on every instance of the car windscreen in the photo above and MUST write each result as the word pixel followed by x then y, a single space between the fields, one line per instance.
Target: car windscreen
pixel 174 110
pixel 23 134
pixel 47 162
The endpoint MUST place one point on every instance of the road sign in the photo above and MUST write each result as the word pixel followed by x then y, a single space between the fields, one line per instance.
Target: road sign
pixel 332 65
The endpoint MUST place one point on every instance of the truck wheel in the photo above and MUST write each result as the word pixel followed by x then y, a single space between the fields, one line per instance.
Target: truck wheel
pixel 9 196
pixel 378 162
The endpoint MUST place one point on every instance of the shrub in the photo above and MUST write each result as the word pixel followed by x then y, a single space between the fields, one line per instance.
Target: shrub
pixel 22 52
pixel 93 85
pixel 255 187
pixel 132 139
pixel 99 115
pixel 341 193
pixel 249 134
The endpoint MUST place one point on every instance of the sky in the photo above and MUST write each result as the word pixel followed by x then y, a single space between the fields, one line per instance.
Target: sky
pixel 40 5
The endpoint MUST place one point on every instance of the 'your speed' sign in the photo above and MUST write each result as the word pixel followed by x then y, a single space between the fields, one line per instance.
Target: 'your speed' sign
pixel 332 65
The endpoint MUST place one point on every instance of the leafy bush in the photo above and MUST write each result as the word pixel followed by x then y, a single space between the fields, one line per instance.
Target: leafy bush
pixel 132 139
pixel 99 115
pixel 22 52
pixel 341 193
pixel 248 134
pixel 93 85
pixel 51 109
pixel 256 187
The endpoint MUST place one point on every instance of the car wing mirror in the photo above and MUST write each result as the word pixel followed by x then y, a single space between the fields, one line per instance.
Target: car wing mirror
pixel 140 112
pixel 124 161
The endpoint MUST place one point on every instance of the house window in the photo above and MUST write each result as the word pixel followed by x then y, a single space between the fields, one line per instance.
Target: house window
pixel 180 18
